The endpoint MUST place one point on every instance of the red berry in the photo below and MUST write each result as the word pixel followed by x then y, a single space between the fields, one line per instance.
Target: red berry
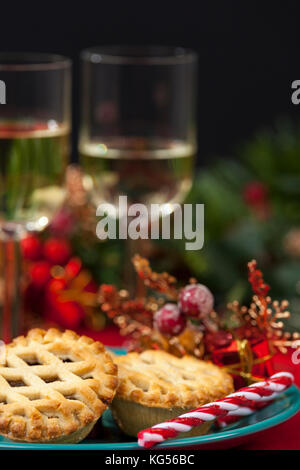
pixel 255 193
pixel 40 273
pixel 57 251
pixel 56 285
pixel 31 247
pixel 169 321
pixel 107 289
pixel 73 267
pixel 69 314
pixel 196 300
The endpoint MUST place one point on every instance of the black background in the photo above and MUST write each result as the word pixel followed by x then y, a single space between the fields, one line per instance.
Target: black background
pixel 249 52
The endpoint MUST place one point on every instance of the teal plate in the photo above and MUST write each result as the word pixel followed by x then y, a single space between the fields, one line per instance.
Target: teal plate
pixel 107 436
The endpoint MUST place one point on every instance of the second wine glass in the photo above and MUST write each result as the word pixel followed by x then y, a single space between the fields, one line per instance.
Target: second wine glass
pixel 138 128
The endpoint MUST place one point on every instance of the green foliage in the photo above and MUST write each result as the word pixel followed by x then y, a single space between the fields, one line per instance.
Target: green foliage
pixel 235 233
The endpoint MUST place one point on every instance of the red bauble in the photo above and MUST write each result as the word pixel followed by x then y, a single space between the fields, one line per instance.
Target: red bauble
pixel 40 273
pixel 57 251
pixel 31 248
pixel 169 320
pixel 196 300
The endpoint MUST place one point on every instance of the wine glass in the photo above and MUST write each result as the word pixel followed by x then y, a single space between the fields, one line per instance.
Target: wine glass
pixel 34 150
pixel 138 127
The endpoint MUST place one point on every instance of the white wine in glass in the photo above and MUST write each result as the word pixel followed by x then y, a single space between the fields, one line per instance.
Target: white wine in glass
pixel 33 158
pixel 146 171
pixel 34 149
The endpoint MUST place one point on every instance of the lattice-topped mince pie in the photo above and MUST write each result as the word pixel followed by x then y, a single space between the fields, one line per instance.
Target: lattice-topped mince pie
pixel 54 386
pixel 155 386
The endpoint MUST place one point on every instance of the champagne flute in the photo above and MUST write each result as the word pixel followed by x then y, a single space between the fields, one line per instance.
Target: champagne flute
pixel 138 129
pixel 34 149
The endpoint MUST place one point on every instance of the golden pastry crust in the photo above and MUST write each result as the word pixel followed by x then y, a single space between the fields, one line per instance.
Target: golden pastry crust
pixel 158 379
pixel 54 386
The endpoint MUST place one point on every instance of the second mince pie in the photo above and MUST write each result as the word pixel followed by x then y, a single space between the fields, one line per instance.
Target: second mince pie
pixel 54 386
pixel 155 386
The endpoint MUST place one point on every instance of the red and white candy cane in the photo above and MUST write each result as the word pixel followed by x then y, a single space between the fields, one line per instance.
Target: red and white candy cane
pixel 226 420
pixel 241 403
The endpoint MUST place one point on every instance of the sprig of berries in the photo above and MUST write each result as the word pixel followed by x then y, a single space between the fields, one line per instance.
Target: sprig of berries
pixel 195 301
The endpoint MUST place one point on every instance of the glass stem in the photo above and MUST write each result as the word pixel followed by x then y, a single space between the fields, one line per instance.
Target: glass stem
pixel 11 314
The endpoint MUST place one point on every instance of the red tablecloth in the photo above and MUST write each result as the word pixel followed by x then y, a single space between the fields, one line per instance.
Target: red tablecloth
pixel 285 436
